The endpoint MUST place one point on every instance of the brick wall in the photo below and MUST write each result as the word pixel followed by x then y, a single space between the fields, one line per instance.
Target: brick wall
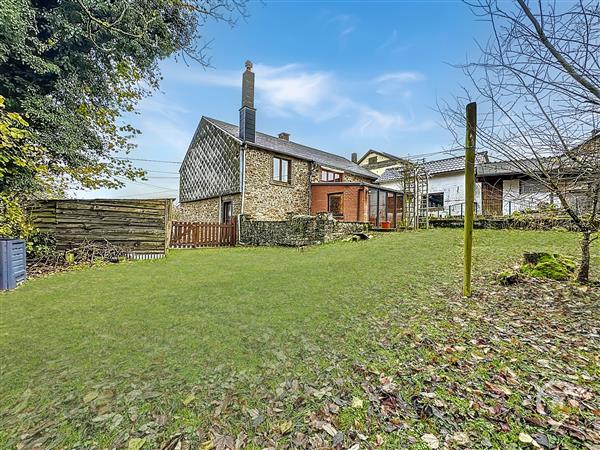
pixel 265 199
pixel 297 231
pixel 207 210
pixel 355 201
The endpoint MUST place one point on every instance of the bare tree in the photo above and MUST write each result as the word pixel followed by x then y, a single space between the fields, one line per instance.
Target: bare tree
pixel 537 83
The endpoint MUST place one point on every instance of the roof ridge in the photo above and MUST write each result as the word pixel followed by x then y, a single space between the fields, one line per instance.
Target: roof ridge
pixel 296 149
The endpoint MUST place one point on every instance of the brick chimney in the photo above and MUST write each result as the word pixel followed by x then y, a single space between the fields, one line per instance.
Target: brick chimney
pixel 354 158
pixel 247 111
pixel 284 136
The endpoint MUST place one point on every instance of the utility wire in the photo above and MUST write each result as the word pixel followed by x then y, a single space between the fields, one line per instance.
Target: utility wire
pixel 150 160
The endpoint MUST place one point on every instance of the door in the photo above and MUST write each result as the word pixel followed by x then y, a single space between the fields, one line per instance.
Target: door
pixel 491 197
pixel 227 212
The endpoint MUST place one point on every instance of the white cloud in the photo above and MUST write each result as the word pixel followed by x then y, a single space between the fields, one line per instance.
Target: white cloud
pixel 295 90
pixel 393 83
pixel 373 123
pixel 399 77
pixel 344 23
pixel 393 45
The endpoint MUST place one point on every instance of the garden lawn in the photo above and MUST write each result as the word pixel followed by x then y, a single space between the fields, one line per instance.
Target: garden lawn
pixel 353 343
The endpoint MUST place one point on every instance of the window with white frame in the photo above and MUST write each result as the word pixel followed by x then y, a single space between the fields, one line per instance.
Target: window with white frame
pixel 281 170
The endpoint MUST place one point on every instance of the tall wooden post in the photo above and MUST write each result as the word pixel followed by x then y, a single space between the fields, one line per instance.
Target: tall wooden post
pixel 469 192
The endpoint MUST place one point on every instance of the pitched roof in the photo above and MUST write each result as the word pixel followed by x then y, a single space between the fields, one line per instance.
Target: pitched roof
pixel 454 164
pixel 296 150
pixel 387 155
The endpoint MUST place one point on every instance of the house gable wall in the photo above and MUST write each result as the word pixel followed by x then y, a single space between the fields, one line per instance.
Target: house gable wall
pixel 211 166
pixel 265 199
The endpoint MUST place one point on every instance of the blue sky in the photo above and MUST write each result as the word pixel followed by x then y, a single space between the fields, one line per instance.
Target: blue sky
pixel 340 76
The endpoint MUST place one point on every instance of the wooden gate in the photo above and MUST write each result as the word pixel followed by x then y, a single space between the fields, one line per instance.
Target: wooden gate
pixel 199 234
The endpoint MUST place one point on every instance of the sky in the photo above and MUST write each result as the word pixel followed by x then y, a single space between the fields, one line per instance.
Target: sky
pixel 344 77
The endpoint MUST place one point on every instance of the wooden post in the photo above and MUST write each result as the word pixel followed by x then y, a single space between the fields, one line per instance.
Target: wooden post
pixel 469 192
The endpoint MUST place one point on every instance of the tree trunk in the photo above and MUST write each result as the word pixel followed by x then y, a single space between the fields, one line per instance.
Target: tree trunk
pixel 584 270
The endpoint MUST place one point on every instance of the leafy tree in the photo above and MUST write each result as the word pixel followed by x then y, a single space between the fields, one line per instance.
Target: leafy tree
pixel 18 156
pixel 73 67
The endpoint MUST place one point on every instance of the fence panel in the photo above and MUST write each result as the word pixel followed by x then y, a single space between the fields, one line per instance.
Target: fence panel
pixel 200 234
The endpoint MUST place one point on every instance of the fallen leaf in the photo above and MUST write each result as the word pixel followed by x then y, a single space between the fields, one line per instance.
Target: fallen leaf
pixel 90 396
pixel 525 438
pixel 329 429
pixel 460 438
pixel 431 440
pixel 189 399
pixel 357 402
pixel 136 443
pixel 285 427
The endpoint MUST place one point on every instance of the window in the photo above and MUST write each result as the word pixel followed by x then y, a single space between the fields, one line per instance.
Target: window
pixel 329 176
pixel 281 170
pixel 436 200
pixel 335 205
pixel 372 160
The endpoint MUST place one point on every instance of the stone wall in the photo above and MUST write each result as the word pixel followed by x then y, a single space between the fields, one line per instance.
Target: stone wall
pixel 207 210
pixel 513 223
pixel 297 231
pixel 265 199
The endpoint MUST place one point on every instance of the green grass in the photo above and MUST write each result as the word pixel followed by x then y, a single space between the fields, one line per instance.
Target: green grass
pixel 196 342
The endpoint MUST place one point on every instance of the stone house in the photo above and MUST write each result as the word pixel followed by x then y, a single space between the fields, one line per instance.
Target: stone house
pixel 444 194
pixel 231 170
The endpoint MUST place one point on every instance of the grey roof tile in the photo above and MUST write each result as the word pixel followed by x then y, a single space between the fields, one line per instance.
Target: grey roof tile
pixel 454 164
pixel 299 151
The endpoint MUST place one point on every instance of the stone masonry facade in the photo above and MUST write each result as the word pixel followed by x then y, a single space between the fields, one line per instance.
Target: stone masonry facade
pixel 265 199
pixel 206 210
pixel 297 231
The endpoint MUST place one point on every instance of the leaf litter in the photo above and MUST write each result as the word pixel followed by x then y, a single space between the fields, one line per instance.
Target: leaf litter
pixel 513 367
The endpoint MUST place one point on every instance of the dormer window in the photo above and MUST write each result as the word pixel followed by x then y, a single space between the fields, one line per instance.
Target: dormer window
pixel 328 176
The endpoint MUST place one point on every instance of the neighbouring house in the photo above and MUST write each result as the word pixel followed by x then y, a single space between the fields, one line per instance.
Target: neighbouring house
pixel 507 186
pixel 443 193
pixel 231 170
pixel 377 162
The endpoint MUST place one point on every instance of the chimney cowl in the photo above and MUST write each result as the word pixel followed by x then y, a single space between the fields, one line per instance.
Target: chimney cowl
pixel 354 157
pixel 283 135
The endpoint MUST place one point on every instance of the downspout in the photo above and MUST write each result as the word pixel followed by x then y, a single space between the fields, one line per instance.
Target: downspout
pixel 360 190
pixel 311 169
pixel 243 148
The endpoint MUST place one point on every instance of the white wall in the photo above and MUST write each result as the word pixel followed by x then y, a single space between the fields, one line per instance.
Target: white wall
pixel 513 201
pixel 453 187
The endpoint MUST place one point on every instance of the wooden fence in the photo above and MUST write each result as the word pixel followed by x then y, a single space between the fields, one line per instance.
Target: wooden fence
pixel 197 234
pixel 137 226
